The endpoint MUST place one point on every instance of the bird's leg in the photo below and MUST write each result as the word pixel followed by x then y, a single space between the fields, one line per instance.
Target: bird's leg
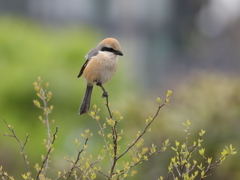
pixel 105 94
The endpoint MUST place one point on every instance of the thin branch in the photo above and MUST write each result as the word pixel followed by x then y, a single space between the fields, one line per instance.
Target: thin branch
pixel 105 95
pixel 48 153
pixel 114 134
pixel 178 171
pixel 69 172
pixel 191 169
pixel 105 142
pixel 5 175
pixel 211 166
pixel 91 166
pixel 114 138
pixel 140 161
pixel 20 143
pixel 144 131
pixel 107 104
pixel 189 154
pixel 84 173
pixel 45 108
pixel 100 172
pixel 186 149
pixel 173 175
pixel 168 175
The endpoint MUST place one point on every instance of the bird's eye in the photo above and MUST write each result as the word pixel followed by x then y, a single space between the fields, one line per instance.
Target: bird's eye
pixel 107 49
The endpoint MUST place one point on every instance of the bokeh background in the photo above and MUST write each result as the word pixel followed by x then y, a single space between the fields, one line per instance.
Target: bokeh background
pixel 190 47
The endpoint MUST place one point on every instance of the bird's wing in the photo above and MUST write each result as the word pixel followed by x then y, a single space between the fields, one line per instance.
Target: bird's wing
pixel 82 69
pixel 91 53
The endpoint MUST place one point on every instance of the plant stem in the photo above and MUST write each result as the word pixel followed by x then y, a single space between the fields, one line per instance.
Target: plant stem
pixel 48 128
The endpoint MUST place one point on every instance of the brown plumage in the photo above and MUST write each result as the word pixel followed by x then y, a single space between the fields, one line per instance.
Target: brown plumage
pixel 100 66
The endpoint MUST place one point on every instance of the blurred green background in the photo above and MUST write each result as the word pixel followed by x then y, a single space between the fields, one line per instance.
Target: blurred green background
pixel 201 66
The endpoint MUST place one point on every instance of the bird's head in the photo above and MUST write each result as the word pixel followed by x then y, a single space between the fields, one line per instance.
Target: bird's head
pixel 110 45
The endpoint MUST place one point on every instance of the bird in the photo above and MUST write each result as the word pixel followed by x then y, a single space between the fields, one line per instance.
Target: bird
pixel 101 64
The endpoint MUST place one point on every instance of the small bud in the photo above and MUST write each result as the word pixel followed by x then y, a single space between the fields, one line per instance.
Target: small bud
pixel 159 100
pixel 169 93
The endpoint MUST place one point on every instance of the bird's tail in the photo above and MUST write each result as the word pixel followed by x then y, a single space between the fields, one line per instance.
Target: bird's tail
pixel 86 100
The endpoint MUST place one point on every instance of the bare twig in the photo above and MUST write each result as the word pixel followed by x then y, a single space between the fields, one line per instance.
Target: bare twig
pixel 105 94
pixel 48 153
pixel 20 143
pixel 107 104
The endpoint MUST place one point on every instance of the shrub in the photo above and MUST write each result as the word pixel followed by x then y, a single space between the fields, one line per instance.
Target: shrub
pixel 85 166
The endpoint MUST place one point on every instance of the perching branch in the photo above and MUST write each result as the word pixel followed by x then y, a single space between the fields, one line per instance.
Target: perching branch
pixel 105 95
pixel 114 133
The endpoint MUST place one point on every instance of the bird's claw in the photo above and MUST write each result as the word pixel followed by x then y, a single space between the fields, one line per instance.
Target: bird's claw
pixel 105 94
pixel 98 83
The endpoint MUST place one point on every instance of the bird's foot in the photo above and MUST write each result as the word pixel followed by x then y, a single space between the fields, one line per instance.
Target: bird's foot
pixel 105 94
pixel 98 83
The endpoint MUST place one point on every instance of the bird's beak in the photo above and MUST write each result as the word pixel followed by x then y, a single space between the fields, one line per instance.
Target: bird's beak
pixel 118 53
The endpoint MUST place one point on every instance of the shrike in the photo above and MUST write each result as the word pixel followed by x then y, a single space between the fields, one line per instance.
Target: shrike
pixel 101 64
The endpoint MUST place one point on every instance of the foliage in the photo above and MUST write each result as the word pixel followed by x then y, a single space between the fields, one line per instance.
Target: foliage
pixel 84 167
pixel 184 167
pixel 84 162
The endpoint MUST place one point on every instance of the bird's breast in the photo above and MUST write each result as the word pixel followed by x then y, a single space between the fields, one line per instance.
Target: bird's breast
pixel 101 67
